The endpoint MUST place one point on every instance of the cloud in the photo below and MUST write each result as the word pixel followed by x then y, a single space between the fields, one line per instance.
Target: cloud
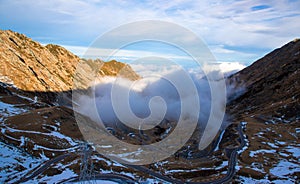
pixel 246 24
pixel 229 68
pixel 120 53
pixel 169 93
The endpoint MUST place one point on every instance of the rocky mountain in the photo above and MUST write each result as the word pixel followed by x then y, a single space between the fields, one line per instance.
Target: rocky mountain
pixel 272 82
pixel 40 140
pixel 31 66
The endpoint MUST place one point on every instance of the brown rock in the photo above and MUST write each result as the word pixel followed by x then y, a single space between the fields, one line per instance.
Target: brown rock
pixel 31 66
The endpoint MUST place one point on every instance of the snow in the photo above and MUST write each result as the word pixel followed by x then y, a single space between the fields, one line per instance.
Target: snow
pixel 9 110
pixel 294 151
pixel 220 139
pixel 283 168
pixel 12 157
pixel 282 181
pixel 252 180
pixel 272 145
pixel 97 181
pixel 125 156
pixel 53 133
pixel 253 153
pixel 67 173
pixel 104 146
pixel 22 141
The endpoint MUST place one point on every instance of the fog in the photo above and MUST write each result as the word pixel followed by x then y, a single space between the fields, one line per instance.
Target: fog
pixel 171 93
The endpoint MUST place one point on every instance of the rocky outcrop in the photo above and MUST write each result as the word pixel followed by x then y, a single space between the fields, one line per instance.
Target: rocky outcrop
pixel 115 68
pixel 31 66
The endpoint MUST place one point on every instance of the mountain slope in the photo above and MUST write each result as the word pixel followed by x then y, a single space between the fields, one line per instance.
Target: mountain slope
pixel 33 67
pixel 271 84
pixel 269 105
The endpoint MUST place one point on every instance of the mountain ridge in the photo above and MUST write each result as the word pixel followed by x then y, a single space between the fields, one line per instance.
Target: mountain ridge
pixel 271 82
pixel 31 66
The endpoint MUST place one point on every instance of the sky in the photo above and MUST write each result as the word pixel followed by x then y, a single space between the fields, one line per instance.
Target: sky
pixel 234 30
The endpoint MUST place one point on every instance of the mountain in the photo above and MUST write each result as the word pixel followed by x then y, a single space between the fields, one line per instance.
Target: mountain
pixel 36 122
pixel 40 140
pixel 267 100
pixel 31 66
pixel 270 86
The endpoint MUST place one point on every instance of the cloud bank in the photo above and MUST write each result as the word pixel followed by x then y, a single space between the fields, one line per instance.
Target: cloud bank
pixel 171 93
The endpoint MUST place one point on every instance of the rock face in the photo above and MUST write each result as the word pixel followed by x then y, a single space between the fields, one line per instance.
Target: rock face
pixel 33 67
pixel 115 68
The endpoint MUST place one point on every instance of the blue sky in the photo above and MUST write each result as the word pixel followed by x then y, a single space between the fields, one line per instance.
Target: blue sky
pixel 234 30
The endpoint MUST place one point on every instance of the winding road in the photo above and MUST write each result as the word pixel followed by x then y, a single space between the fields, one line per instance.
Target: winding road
pixel 232 154
pixel 231 164
pixel 41 168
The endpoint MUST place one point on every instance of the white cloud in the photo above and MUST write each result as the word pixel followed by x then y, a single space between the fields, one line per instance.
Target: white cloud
pixel 229 23
pixel 231 67
pixel 221 50
pixel 176 95
pixel 90 52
